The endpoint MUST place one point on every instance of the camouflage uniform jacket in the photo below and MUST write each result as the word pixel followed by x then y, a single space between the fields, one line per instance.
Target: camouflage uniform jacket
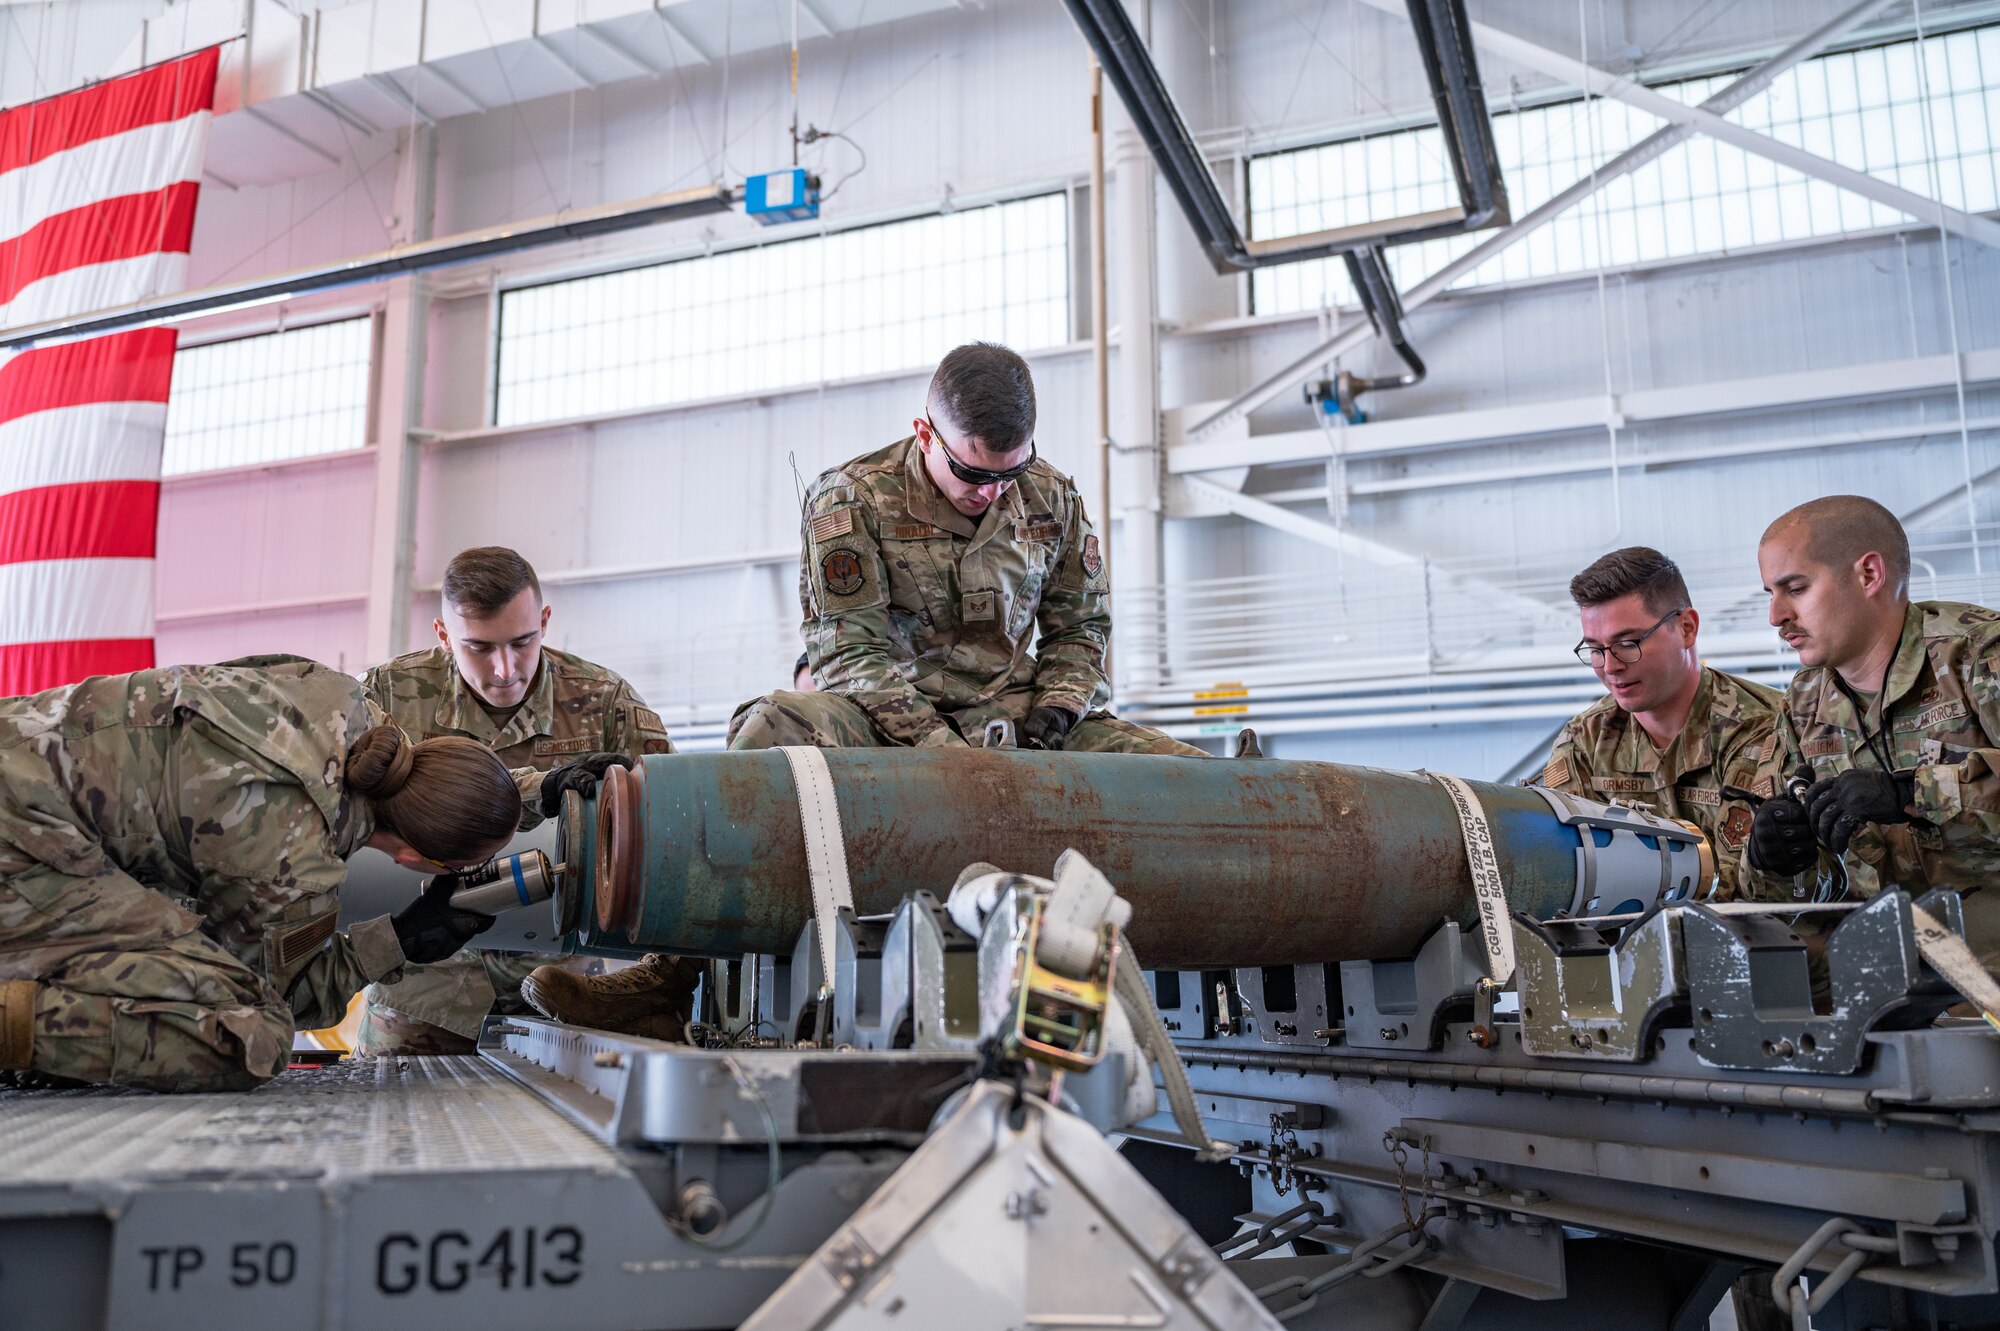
pixel 1939 713
pixel 572 708
pixel 220 786
pixel 913 609
pixel 1731 739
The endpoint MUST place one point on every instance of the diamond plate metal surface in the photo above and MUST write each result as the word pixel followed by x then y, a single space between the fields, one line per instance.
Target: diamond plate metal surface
pixel 358 1117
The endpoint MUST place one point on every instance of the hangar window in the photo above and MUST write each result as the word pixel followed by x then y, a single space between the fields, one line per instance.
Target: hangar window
pixel 268 398
pixel 1863 109
pixel 870 300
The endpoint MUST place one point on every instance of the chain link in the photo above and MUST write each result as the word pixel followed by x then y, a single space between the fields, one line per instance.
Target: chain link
pixel 1788 1284
pixel 1284 1149
pixel 1393 1141
pixel 1365 1260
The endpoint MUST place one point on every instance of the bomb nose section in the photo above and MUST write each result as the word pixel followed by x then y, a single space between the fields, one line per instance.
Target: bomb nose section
pixel 621 848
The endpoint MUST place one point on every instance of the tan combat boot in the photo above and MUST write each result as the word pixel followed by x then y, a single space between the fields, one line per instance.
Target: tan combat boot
pixel 17 1023
pixel 652 999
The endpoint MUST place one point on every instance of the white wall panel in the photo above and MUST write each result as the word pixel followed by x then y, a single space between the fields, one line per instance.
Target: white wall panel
pixel 281 536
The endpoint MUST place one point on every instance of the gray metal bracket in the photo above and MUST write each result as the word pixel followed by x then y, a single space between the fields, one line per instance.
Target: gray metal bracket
pixel 1585 995
pixel 929 991
pixel 1404 1004
pixel 1290 1004
pixel 1751 990
pixel 857 978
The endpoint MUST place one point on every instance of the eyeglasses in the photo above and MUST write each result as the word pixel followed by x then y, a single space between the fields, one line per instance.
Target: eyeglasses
pixel 1627 650
pixel 979 475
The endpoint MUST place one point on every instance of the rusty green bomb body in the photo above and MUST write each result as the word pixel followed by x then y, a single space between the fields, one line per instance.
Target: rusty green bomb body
pixel 1226 862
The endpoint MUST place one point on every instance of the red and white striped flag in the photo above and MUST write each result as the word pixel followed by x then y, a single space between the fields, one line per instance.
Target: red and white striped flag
pixel 97 194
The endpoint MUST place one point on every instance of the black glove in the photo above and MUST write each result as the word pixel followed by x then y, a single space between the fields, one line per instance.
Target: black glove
pixel 1781 838
pixel 581 776
pixel 1842 805
pixel 1045 728
pixel 431 928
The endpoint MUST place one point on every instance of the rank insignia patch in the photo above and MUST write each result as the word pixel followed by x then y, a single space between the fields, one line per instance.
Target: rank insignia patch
pixel 842 571
pixel 1093 557
pixel 1737 825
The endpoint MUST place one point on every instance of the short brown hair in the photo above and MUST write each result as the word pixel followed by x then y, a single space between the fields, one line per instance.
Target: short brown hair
pixel 482 580
pixel 1636 568
pixel 1841 528
pixel 450 797
pixel 988 393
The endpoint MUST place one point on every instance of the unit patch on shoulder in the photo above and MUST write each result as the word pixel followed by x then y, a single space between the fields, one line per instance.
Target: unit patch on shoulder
pixel 837 522
pixel 842 571
pixel 1093 556
pixel 1556 773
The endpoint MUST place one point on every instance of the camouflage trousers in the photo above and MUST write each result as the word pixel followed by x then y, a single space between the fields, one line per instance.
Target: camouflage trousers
pixel 436 1009
pixel 829 721
pixel 133 992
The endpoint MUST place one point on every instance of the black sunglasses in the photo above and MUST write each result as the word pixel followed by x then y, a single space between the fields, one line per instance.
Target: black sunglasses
pixel 978 475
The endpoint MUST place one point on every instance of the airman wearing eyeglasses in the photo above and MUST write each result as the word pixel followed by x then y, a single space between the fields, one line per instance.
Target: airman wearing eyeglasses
pixel 1672 734
pixel 949 580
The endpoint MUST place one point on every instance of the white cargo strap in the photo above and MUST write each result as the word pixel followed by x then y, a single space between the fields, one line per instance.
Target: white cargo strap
pixel 1495 928
pixel 826 848
pixel 1136 995
pixel 1951 958
pixel 1081 901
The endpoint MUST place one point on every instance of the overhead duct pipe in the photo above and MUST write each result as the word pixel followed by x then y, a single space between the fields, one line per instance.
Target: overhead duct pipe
pixel 1385 313
pixel 1443 37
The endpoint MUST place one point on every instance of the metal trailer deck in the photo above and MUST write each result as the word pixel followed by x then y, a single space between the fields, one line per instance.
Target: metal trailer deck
pixel 432 1193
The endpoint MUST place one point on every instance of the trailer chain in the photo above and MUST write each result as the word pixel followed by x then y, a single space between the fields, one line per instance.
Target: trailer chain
pixel 1284 1149
pixel 1276 1232
pixel 1788 1284
pixel 1365 1260
pixel 1395 1142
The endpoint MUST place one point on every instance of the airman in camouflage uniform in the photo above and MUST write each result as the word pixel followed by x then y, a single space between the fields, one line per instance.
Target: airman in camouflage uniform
pixel 1937 716
pixel 574 707
pixel 950 580
pixel 171 842
pixel 919 619
pixel 1730 744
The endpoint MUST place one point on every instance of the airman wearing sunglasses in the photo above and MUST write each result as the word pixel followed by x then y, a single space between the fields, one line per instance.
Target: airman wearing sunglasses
pixel 952 579
pixel 1671 734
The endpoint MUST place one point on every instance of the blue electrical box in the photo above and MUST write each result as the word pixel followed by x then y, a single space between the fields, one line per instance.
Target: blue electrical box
pixel 782 196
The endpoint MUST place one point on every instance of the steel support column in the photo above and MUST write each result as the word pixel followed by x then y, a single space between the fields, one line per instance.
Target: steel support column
pixel 1135 381
pixel 398 408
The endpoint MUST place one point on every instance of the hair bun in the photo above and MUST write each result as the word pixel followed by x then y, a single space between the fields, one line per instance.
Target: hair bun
pixel 380 762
